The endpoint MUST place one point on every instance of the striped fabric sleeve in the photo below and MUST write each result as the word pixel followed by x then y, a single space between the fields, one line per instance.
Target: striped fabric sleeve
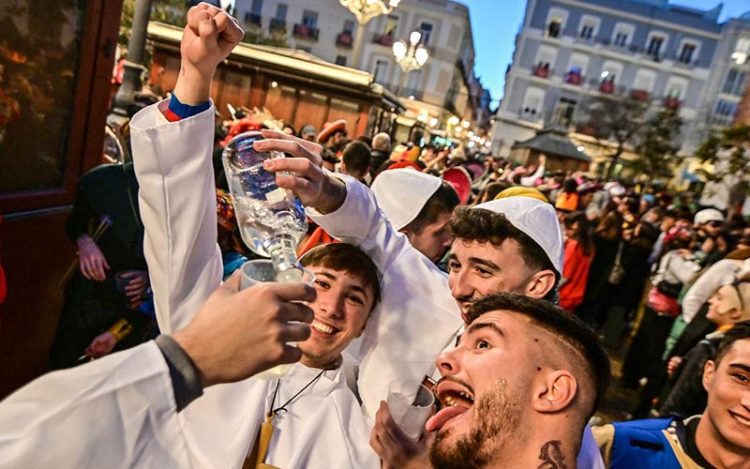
pixel 174 110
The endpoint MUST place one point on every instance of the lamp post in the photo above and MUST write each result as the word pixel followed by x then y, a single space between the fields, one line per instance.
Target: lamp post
pixel 364 11
pixel 411 56
pixel 133 67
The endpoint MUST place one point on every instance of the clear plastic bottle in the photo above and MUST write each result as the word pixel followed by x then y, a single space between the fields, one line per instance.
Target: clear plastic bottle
pixel 271 219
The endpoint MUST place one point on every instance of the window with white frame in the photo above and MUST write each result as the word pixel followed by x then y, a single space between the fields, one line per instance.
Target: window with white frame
pixel 734 83
pixel 622 35
pixel 725 108
pixel 588 27
pixel 532 103
pixel 545 57
pixel 656 45
pixel 611 71
pixel 688 52
pixel 380 74
pixel 578 63
pixel 644 80
pixel 676 88
pixel 741 53
pixel 556 19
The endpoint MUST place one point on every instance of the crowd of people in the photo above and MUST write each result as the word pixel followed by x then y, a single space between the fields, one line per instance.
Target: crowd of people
pixel 499 286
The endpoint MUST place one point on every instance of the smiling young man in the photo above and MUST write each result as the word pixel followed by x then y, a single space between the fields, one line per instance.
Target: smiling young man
pixel 720 437
pixel 531 414
pixel 317 420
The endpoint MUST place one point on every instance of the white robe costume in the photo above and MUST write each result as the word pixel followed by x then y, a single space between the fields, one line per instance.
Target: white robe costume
pixel 324 426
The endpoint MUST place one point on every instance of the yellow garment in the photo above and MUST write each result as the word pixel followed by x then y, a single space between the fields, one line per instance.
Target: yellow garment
pixel 522 191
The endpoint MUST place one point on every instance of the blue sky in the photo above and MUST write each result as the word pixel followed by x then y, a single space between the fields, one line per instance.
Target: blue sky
pixel 496 22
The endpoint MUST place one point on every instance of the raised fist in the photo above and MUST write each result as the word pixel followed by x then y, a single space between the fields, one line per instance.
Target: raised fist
pixel 209 37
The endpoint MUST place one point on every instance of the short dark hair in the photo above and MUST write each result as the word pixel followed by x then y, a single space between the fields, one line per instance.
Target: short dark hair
pixel 443 200
pixel 481 225
pixel 564 326
pixel 347 258
pixel 356 156
pixel 739 331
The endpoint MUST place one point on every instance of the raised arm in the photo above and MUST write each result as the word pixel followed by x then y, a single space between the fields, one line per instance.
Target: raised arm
pixel 172 160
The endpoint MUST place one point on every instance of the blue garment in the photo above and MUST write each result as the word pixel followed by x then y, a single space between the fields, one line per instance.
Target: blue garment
pixel 642 443
pixel 232 261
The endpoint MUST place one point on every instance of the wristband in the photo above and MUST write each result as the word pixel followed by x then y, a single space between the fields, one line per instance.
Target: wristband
pixel 120 329
pixel 174 110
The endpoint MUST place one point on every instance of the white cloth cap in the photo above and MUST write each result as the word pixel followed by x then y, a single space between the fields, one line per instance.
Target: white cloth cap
pixel 402 193
pixel 536 219
pixel 707 215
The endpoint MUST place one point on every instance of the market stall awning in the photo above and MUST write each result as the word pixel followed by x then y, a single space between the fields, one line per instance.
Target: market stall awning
pixel 553 141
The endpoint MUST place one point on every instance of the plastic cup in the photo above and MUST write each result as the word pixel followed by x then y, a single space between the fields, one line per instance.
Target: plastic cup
pixel 408 410
pixel 257 271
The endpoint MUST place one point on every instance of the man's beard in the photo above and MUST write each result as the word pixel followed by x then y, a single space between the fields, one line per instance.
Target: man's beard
pixel 495 417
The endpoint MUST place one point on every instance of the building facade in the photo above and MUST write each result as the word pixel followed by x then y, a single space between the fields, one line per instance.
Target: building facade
pixel 443 91
pixel 568 52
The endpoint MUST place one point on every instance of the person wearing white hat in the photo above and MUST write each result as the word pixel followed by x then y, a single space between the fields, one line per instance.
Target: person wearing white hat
pixel 420 206
pixel 419 313
pixel 713 245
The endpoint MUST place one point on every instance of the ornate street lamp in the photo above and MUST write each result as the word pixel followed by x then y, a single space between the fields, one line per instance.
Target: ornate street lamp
pixel 364 11
pixel 411 56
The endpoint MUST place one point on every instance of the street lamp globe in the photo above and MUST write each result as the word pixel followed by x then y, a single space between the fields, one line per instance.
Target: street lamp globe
pixel 410 56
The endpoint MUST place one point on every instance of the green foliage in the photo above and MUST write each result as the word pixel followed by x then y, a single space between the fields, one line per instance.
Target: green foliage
pixel 657 146
pixel 165 11
pixel 728 150
pixel 616 118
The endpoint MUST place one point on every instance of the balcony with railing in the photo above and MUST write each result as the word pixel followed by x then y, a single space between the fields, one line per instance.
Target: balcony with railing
pixel 383 39
pixel 607 86
pixel 640 95
pixel 251 19
pixel 671 102
pixel 345 39
pixel 541 70
pixel 303 31
pixel 574 77
pixel 277 26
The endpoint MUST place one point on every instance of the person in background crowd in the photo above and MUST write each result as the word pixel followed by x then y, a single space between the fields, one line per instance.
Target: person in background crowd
pixel 607 235
pixel 424 220
pixel 308 133
pixel 684 395
pixel 713 243
pixel 111 282
pixel 330 161
pixel 355 161
pixel 381 149
pixel 333 135
pixel 579 251
pixel 567 198
pixel 288 129
pixel 677 268
pixel 720 437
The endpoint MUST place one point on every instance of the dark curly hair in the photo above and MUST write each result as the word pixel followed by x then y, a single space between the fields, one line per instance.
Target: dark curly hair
pixel 486 226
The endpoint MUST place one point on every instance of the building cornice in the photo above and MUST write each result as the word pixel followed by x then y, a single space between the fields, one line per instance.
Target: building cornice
pixel 635 17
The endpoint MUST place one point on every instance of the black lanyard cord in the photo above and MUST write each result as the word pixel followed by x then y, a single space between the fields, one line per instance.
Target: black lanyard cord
pixel 282 407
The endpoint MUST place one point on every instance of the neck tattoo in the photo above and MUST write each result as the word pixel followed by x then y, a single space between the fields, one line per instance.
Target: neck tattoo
pixel 551 456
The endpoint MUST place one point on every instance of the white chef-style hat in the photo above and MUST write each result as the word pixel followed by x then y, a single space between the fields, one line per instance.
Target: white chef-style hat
pixel 708 214
pixel 402 193
pixel 535 218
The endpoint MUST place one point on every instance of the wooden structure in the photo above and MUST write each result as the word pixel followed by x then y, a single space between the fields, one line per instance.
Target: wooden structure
pixel 296 87
pixel 562 154
pixel 56 69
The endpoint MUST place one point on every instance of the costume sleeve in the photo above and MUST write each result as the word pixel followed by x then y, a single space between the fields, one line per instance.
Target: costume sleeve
pixel 79 218
pixel 359 221
pixel 605 440
pixel 709 281
pixel 118 411
pixel 529 180
pixel 178 205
